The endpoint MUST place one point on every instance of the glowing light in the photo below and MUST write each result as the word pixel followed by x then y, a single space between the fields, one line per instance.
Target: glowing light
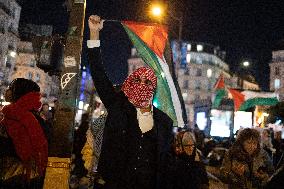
pixel 157 11
pixel 246 63
pixel 209 73
pixel 188 58
pixel 13 54
pixel 81 105
pixel 199 48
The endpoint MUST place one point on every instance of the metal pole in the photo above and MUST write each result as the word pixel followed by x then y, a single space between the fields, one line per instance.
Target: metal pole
pixel 58 169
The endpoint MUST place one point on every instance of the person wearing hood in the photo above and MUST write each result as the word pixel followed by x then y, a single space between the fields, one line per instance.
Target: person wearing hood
pixel 136 148
pixel 246 165
pixel 190 172
pixel 24 158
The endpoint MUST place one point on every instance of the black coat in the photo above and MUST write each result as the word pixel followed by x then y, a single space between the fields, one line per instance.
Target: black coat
pixel 122 115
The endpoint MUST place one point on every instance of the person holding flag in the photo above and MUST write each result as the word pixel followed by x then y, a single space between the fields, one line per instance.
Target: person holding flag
pixel 136 149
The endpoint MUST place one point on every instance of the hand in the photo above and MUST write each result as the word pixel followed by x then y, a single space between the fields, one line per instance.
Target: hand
pixel 95 25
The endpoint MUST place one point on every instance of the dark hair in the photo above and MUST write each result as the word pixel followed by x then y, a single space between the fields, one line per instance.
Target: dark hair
pixel 248 134
pixel 20 86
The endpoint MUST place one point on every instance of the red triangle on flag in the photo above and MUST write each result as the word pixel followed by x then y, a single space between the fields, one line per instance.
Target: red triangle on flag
pixel 238 98
pixel 154 36
pixel 220 84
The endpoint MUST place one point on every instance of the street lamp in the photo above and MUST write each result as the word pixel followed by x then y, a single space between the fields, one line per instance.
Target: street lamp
pixel 246 63
pixel 157 10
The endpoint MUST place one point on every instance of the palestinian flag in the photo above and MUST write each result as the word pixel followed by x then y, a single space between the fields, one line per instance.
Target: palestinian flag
pixel 247 99
pixel 150 41
pixel 220 92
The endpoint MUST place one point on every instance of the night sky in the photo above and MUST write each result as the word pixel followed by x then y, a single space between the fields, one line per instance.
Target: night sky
pixel 245 29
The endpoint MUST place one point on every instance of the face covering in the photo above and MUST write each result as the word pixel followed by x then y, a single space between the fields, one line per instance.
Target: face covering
pixel 139 87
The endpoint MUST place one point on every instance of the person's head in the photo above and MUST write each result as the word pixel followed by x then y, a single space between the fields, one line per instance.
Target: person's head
pixel 249 139
pixel 185 143
pixel 19 87
pixel 277 135
pixel 139 87
pixel 188 143
pixel 45 107
pixel 265 133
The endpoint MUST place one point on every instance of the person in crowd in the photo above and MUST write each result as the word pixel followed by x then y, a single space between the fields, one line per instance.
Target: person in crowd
pixel 46 120
pixel 279 149
pixel 266 142
pixel 276 181
pixel 46 114
pixel 136 148
pixel 24 158
pixel 189 172
pixel 200 136
pixel 246 165
pixel 79 142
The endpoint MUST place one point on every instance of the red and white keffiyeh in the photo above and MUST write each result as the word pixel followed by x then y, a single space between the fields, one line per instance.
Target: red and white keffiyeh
pixel 140 94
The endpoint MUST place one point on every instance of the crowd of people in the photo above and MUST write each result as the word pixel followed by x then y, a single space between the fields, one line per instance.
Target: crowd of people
pixel 139 149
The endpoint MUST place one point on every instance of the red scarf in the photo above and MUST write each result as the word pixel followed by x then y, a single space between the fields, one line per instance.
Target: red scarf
pixel 25 131
pixel 140 94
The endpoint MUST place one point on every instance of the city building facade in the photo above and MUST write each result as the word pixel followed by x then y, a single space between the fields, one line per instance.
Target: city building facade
pixel 198 66
pixel 9 21
pixel 277 73
pixel 25 67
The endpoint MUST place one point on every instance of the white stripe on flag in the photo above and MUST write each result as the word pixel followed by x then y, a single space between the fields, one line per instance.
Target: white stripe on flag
pixel 252 94
pixel 175 99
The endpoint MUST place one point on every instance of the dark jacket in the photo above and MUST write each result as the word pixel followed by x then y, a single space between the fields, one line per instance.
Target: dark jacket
pixel 259 162
pixel 122 117
pixel 189 173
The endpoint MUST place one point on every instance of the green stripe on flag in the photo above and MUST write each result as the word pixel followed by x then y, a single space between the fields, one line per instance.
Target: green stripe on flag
pixel 258 101
pixel 162 98
pixel 219 94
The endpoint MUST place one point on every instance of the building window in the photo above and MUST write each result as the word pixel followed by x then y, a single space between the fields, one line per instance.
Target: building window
pixel 209 86
pixel 133 52
pixel 276 83
pixel 277 71
pixel 186 71
pixel 197 85
pixel 199 48
pixel 37 77
pixel 185 84
pixel 188 47
pixel 198 60
pixel 30 75
pixel 185 95
pixel 188 58
pixel 198 72
pixel 32 63
pixel 209 73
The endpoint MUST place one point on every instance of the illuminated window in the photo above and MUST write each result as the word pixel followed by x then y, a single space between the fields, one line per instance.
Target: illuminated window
pixel 188 58
pixel 209 73
pixel 188 47
pixel 276 83
pixel 199 48
pixel 133 52
pixel 184 95
pixel 198 60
